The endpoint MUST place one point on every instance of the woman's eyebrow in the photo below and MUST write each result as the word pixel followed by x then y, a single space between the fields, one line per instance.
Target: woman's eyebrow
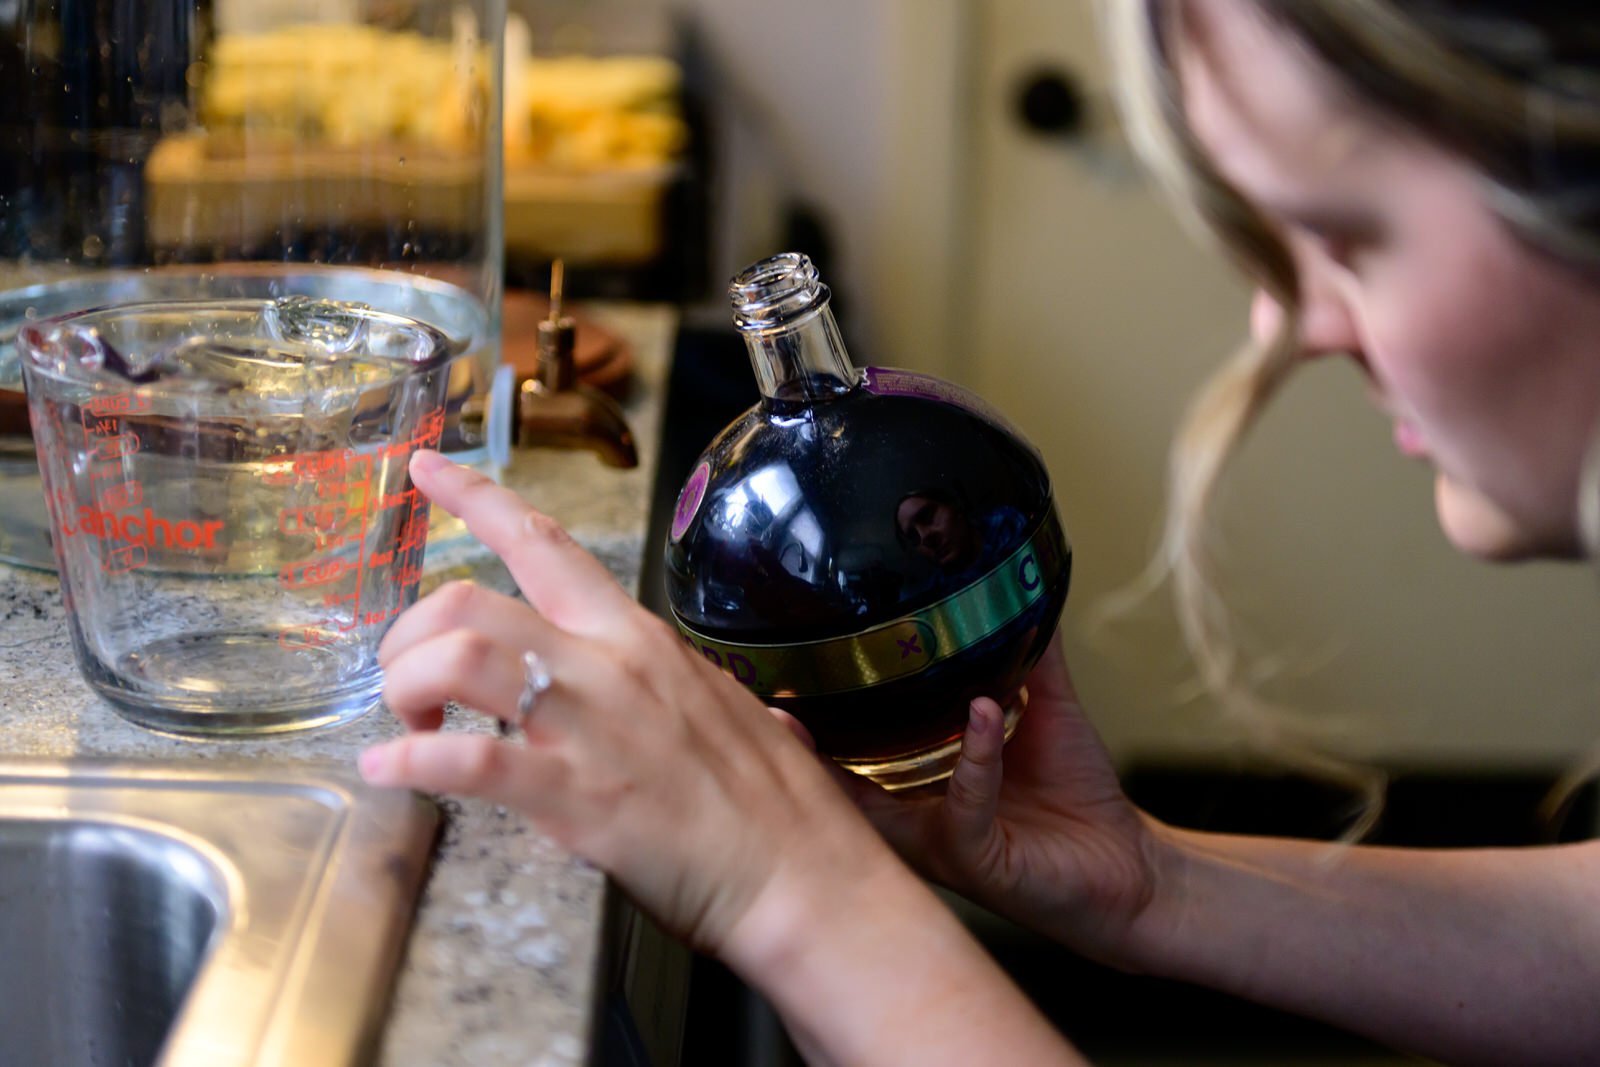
pixel 1342 218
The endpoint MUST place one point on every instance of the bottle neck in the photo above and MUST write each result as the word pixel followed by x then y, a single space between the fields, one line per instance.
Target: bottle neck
pixel 796 350
pixel 803 360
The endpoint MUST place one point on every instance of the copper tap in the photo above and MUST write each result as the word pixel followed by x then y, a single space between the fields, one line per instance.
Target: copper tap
pixel 555 410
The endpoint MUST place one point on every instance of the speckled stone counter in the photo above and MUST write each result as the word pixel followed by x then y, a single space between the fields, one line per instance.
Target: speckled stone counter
pixel 502 966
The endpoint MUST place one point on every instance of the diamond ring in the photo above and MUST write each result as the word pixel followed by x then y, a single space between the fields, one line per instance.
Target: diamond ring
pixel 535 682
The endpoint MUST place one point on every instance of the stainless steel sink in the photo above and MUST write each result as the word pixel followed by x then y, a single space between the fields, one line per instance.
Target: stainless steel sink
pixel 201 914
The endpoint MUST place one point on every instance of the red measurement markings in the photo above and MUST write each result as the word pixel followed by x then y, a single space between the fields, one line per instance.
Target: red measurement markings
pixel 102 427
pixel 281 474
pixel 306 637
pixel 112 491
pixel 303 468
pixel 413 538
pixel 310 573
pixel 414 529
pixel 125 558
pixel 397 500
pixel 109 448
pixel 353 491
pixel 327 542
pixel 408 575
pixel 312 520
pixel 374 618
pixel 117 404
pixel 344 611
pixel 107 443
pixel 322 522
pixel 430 429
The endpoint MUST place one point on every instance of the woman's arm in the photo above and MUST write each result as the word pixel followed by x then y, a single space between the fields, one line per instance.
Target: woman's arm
pixel 1472 957
pixel 878 970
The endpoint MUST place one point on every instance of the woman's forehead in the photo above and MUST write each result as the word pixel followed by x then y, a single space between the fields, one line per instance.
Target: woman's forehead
pixel 1265 111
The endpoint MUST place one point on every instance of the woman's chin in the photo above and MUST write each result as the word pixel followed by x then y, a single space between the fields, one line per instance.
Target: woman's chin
pixel 1478 527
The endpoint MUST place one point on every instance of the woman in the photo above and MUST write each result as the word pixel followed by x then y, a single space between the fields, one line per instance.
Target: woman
pixel 1415 184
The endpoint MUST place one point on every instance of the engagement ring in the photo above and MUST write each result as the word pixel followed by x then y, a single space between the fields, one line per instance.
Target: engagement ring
pixel 535 681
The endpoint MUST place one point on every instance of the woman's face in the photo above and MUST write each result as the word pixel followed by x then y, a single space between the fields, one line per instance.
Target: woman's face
pixel 936 530
pixel 1484 352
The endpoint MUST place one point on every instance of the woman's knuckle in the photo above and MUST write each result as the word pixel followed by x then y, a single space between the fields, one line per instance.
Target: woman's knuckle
pixel 467 653
pixel 404 762
pixel 964 793
pixel 538 524
pixel 658 631
pixel 484 761
pixel 633 665
pixel 980 757
pixel 456 600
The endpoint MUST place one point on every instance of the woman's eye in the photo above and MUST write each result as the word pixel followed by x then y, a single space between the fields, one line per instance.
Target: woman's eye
pixel 1337 245
pixel 1321 236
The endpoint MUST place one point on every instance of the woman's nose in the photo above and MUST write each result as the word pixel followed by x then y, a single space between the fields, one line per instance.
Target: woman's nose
pixel 1326 325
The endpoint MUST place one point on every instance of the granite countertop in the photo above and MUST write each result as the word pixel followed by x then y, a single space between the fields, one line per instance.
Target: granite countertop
pixel 502 967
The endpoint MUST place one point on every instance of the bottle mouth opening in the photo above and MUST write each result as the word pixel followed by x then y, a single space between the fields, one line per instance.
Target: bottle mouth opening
pixel 776 291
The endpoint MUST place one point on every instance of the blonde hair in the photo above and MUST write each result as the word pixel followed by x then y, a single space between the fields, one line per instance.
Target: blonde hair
pixel 1511 93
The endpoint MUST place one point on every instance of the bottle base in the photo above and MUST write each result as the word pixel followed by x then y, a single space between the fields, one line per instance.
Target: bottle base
pixel 930 765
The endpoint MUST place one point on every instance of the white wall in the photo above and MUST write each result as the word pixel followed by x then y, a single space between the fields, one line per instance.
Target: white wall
pixel 800 115
pixel 826 101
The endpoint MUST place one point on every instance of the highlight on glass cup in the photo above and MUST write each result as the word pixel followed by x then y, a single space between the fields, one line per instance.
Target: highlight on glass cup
pixel 232 517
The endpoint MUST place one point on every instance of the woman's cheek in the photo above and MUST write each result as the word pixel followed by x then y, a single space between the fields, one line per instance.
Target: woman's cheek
pixel 1265 317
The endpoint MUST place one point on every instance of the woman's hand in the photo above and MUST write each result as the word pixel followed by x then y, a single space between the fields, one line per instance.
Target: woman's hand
pixel 641 757
pixel 1041 833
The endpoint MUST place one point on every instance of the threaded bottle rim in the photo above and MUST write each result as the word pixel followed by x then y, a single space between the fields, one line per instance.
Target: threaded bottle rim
pixel 776 291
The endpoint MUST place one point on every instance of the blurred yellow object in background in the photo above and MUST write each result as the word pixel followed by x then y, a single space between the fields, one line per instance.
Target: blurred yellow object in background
pixel 580 112
pixel 351 85
pixel 345 85
pixel 331 123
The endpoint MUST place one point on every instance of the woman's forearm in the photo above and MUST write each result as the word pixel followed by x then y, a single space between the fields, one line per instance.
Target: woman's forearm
pixel 879 972
pixel 1474 957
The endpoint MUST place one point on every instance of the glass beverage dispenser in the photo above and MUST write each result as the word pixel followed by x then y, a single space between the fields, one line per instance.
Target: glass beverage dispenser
pixel 162 149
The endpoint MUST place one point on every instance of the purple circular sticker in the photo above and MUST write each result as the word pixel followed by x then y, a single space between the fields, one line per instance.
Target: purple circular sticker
pixel 694 491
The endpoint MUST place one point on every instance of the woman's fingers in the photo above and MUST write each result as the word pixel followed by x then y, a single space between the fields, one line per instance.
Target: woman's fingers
pixel 465 765
pixel 456 605
pixel 561 580
pixel 794 726
pixel 1051 680
pixel 466 666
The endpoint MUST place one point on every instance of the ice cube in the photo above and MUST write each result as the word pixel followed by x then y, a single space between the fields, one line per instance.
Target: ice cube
pixel 334 326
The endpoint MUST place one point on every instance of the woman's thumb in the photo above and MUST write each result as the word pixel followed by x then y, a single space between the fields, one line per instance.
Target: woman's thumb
pixel 973 794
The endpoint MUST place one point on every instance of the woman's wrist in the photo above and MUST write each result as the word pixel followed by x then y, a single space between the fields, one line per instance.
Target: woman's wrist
pixel 1146 942
pixel 867 965
pixel 810 898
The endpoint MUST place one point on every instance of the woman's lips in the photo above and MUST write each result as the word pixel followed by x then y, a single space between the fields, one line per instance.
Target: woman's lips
pixel 1408 439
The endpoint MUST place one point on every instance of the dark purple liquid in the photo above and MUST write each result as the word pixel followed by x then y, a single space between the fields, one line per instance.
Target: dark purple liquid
pixel 827 518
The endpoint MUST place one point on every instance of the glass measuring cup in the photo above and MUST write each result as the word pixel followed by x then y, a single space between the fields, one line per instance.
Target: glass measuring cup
pixel 232 518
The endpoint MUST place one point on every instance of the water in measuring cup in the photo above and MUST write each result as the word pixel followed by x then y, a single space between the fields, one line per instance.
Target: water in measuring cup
pixel 237 529
pixel 455 311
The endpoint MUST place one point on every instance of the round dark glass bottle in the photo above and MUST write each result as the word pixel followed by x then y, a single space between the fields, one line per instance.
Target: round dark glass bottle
pixel 868 549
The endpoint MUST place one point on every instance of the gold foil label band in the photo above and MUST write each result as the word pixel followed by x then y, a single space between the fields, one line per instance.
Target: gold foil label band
pixel 908 645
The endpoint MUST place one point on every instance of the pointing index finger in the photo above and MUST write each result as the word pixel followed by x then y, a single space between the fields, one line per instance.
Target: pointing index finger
pixel 561 580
